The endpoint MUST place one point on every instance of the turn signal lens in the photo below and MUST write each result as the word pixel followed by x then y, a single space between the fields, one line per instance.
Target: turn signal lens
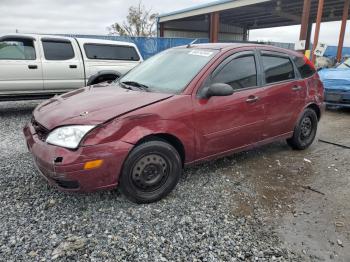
pixel 93 164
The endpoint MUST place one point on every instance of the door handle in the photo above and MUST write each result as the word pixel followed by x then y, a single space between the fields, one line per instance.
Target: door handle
pixel 296 88
pixel 252 99
pixel 73 66
pixel 32 66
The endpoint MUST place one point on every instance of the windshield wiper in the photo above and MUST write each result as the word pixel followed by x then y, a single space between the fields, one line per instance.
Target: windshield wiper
pixel 136 84
pixel 124 86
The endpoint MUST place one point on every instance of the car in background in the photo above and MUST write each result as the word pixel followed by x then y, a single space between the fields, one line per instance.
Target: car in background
pixel 337 84
pixel 36 66
pixel 183 106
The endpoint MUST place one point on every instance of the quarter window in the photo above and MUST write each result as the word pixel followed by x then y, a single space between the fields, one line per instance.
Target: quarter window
pixel 305 69
pixel 239 73
pixel 58 50
pixel 277 69
pixel 111 52
pixel 17 49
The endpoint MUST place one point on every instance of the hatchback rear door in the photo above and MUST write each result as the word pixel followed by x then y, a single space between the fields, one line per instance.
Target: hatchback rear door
pixel 283 93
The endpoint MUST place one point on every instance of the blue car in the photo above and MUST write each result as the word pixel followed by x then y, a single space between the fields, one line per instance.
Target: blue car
pixel 337 84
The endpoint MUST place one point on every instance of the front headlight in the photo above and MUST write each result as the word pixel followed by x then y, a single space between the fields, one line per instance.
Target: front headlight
pixel 68 136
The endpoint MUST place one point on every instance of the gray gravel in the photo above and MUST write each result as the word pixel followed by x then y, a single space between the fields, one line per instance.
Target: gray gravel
pixel 197 222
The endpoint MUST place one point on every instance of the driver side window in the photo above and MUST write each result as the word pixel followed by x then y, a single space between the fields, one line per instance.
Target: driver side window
pixel 239 73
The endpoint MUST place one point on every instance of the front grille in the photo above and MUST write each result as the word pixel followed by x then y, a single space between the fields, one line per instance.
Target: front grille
pixel 40 131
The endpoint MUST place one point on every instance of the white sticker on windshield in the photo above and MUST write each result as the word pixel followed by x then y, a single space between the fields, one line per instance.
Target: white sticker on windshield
pixel 201 53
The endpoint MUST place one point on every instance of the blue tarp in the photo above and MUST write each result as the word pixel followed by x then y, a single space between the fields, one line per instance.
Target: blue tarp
pixel 148 46
pixel 331 51
pixel 336 78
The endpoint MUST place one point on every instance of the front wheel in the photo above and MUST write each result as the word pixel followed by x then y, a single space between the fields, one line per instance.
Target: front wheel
pixel 150 172
pixel 305 131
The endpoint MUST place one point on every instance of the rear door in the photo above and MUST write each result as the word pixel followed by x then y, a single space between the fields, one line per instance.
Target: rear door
pixel 20 65
pixel 283 92
pixel 62 65
pixel 227 123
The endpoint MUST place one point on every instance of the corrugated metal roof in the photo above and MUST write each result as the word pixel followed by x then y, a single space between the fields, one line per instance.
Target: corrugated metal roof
pixel 215 6
pixel 214 3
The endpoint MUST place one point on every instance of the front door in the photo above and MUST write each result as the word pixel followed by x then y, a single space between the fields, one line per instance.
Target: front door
pixel 20 65
pixel 227 123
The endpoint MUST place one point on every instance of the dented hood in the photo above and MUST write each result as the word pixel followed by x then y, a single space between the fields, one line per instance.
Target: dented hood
pixel 92 106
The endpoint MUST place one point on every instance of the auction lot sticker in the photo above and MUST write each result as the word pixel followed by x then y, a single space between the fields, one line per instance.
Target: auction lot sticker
pixel 201 53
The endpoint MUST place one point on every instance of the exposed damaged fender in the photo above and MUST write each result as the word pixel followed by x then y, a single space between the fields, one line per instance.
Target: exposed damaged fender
pixel 319 108
pixel 165 128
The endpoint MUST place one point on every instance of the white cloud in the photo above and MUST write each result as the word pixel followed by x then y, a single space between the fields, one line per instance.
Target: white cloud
pixel 92 17
pixel 329 34
pixel 79 16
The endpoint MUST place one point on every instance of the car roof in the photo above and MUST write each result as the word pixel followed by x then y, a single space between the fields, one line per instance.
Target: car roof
pixel 229 46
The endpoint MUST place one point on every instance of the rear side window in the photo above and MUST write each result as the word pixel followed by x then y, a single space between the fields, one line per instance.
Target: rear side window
pixel 111 52
pixel 277 69
pixel 304 68
pixel 239 73
pixel 17 49
pixel 58 49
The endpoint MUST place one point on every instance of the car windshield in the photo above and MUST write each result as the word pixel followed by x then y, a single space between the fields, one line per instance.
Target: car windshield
pixel 170 71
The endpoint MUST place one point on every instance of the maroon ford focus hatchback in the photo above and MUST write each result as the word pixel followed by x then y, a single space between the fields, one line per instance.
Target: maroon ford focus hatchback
pixel 180 107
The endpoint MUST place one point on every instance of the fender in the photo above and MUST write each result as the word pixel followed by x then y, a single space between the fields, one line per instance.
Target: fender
pixel 100 73
pixel 160 127
pixel 298 115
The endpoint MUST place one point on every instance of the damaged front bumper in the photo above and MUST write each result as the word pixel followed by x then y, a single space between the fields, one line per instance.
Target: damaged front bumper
pixel 65 168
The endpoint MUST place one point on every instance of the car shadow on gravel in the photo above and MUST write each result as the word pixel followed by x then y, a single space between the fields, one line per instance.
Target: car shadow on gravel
pixel 12 109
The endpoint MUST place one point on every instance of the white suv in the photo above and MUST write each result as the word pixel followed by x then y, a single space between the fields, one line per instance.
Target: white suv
pixel 35 66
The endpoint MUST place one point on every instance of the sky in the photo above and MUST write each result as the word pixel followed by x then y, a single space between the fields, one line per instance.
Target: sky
pixel 92 17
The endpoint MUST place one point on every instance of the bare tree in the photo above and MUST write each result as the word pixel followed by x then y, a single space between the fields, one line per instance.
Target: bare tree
pixel 139 22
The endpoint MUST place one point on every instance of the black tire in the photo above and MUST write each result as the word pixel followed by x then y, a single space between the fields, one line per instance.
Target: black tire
pixel 150 172
pixel 305 131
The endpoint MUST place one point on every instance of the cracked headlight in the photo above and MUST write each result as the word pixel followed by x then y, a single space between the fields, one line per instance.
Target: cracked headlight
pixel 68 136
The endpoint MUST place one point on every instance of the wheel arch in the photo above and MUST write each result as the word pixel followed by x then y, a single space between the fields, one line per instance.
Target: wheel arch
pixel 102 73
pixel 316 108
pixel 169 138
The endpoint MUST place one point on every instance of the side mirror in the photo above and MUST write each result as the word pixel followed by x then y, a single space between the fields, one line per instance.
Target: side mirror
pixel 218 89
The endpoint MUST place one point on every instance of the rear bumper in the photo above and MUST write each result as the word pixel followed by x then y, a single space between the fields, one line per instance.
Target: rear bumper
pixel 64 168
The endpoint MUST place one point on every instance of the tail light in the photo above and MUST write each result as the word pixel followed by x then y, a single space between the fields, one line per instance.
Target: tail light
pixel 309 63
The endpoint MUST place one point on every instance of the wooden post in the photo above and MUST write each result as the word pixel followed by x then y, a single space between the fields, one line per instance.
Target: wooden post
pixel 161 30
pixel 305 25
pixel 342 30
pixel 318 27
pixel 245 33
pixel 214 27
pixel 308 36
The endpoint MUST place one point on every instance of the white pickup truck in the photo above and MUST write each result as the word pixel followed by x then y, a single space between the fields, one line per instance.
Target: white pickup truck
pixel 38 66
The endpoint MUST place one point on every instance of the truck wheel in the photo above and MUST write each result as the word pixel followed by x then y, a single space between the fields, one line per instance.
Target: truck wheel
pixel 305 131
pixel 150 172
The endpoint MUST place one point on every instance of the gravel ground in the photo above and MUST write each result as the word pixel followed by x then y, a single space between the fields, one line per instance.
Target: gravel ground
pixel 208 217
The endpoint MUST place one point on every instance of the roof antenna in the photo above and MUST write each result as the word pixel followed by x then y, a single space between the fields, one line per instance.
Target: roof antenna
pixel 190 44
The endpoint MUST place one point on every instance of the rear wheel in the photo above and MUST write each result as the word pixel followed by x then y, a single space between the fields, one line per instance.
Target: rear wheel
pixel 150 172
pixel 105 78
pixel 305 131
